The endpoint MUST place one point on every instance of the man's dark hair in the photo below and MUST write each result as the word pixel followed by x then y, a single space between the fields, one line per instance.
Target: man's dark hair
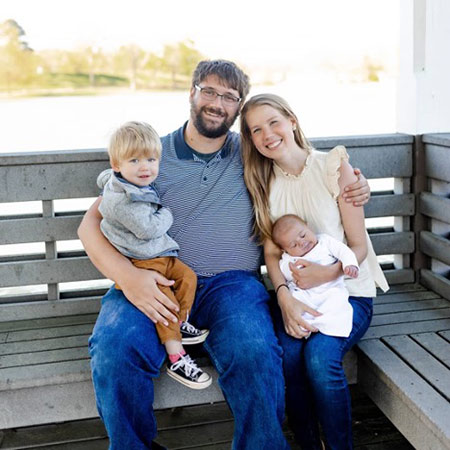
pixel 228 71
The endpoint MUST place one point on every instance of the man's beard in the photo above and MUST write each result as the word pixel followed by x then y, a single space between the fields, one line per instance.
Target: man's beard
pixel 206 130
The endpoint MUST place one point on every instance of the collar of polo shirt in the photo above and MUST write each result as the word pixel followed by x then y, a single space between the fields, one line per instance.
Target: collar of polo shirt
pixel 184 151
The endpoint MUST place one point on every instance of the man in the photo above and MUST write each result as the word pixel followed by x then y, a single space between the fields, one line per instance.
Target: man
pixel 201 182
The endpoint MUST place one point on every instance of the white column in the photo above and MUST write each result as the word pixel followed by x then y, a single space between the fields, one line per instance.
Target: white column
pixel 423 91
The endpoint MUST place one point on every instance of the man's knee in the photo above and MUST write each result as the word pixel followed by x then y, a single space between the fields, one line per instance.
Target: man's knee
pixel 255 353
pixel 118 344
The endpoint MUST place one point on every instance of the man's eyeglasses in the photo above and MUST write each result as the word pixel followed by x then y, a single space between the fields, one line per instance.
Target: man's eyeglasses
pixel 210 94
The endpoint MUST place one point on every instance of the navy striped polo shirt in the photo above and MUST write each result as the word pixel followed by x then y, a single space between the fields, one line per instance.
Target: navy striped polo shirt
pixel 212 210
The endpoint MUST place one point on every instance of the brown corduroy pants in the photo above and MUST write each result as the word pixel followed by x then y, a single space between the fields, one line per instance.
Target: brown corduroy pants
pixel 182 292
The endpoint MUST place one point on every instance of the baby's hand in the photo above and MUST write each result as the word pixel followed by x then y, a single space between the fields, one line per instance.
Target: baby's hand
pixel 351 271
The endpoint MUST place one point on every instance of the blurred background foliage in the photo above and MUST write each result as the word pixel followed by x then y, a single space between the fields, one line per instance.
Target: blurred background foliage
pixel 23 70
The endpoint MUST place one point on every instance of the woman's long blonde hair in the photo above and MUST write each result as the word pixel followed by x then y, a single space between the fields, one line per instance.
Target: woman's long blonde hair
pixel 258 170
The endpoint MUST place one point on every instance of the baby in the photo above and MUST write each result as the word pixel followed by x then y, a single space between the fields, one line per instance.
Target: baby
pixel 136 223
pixel 297 241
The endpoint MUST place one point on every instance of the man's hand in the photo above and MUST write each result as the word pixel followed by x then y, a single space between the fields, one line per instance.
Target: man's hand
pixel 143 292
pixel 351 271
pixel 292 310
pixel 357 193
pixel 307 274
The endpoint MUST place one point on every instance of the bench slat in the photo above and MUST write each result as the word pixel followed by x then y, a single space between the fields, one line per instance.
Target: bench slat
pixel 437 162
pixel 379 161
pixel 396 329
pixel 35 324
pixel 436 282
pixel 48 271
pixel 23 230
pixel 48 333
pixel 434 206
pixel 424 363
pixel 48 309
pixel 43 182
pixel 404 297
pixel 17 231
pixel 43 344
pixel 435 246
pixel 436 345
pixel 44 357
pixel 393 243
pixel 419 412
pixel 390 205
pixel 328 142
pixel 47 404
pixel 418 305
pixel 401 288
pixel 44 374
pixel 413 316
pixel 399 276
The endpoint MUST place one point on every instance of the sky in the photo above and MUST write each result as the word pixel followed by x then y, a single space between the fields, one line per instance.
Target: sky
pixel 296 32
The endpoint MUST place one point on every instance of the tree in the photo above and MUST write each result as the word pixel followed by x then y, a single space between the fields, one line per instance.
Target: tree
pixel 129 61
pixel 180 60
pixel 17 59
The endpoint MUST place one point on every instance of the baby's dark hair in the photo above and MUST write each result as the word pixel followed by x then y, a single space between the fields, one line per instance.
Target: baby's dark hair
pixel 281 224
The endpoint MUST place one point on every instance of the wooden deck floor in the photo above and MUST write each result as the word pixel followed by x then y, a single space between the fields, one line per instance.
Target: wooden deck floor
pixel 199 428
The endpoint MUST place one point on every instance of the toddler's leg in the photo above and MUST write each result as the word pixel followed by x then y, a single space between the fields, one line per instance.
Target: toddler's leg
pixel 184 286
pixel 182 368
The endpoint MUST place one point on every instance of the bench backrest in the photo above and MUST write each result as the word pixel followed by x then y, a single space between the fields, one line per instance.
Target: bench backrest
pixel 50 178
pixel 434 206
pixel 46 178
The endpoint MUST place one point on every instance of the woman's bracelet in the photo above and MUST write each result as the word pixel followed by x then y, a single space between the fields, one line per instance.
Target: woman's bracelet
pixel 280 286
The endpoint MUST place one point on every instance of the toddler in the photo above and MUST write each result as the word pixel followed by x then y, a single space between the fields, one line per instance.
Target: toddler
pixel 297 241
pixel 136 224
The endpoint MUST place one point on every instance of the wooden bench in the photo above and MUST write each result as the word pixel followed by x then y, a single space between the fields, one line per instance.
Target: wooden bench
pixel 47 315
pixel 404 358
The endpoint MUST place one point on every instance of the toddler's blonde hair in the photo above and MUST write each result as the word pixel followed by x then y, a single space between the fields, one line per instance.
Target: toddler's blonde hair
pixel 134 139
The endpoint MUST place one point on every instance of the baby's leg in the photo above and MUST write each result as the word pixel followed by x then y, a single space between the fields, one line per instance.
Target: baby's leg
pixel 337 314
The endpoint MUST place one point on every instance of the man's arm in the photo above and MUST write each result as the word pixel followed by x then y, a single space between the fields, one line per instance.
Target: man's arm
pixel 357 193
pixel 140 286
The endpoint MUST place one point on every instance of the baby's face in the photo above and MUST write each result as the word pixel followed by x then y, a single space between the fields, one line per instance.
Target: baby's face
pixel 298 239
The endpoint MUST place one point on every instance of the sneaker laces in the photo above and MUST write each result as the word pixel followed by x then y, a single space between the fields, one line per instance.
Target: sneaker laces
pixel 190 328
pixel 189 366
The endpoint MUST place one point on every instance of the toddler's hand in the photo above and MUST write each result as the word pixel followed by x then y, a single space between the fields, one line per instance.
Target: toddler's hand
pixel 351 271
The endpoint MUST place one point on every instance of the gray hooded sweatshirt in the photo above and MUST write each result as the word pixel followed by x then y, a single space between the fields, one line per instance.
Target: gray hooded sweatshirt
pixel 134 220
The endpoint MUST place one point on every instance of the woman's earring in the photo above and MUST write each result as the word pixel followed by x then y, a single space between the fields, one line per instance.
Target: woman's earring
pixel 294 128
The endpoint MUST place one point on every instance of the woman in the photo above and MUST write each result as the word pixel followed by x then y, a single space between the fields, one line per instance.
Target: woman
pixel 285 175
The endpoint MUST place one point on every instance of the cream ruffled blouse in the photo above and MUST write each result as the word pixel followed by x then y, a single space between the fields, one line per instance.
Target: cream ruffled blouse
pixel 312 195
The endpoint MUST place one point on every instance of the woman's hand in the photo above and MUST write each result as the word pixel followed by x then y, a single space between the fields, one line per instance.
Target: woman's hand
pixel 292 310
pixel 357 193
pixel 143 292
pixel 307 274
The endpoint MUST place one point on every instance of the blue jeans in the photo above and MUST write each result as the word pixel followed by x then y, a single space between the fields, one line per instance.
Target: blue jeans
pixel 126 356
pixel 316 387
